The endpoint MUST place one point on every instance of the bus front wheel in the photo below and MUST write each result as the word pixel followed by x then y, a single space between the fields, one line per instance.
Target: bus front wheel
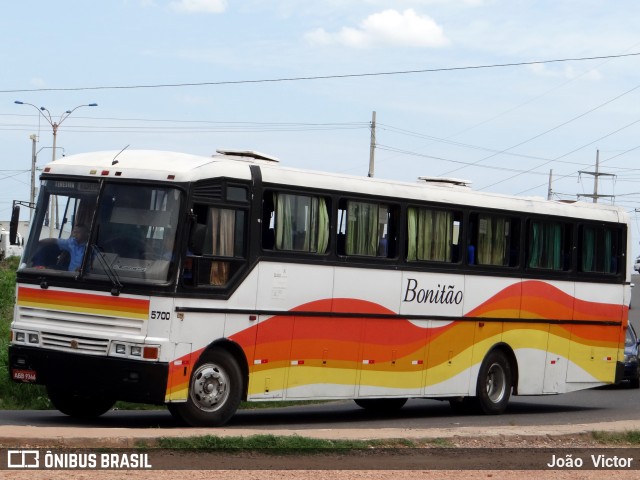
pixel 77 405
pixel 215 391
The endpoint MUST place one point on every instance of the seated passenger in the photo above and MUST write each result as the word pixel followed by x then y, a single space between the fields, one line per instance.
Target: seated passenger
pixel 76 244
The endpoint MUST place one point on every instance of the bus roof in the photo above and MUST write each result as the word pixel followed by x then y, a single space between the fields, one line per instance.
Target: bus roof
pixel 182 167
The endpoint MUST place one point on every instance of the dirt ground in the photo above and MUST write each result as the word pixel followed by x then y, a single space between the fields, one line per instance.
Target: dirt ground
pixel 462 451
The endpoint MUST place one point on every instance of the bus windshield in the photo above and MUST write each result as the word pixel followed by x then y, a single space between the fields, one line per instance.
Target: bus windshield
pixel 130 231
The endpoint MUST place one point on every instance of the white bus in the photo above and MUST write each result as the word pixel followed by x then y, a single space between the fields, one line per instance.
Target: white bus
pixel 199 282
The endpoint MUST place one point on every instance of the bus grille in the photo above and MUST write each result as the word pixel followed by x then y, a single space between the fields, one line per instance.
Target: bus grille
pixel 77 344
pixel 78 332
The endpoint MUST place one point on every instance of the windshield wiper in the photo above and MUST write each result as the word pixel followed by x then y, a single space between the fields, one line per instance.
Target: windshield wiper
pixel 111 273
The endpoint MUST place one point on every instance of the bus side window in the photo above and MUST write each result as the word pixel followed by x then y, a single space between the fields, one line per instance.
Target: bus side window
pixel 433 235
pixel 366 229
pixel 216 248
pixel 495 240
pixel 549 245
pixel 598 249
pixel 298 223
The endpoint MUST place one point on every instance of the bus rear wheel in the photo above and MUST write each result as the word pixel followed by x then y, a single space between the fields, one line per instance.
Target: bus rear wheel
pixel 215 391
pixel 494 383
pixel 79 405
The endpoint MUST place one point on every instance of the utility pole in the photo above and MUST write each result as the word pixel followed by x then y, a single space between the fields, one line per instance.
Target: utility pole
pixel 32 197
pixel 549 191
pixel 372 148
pixel 595 196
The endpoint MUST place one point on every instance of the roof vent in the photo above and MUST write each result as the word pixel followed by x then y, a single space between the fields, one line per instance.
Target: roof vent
pixel 248 154
pixel 446 181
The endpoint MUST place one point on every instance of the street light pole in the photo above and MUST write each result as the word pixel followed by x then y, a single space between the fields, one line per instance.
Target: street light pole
pixel 54 126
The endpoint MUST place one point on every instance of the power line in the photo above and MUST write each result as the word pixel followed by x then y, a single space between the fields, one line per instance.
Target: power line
pixel 319 77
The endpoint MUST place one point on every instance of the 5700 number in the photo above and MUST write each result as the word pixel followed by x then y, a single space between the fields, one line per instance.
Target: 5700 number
pixel 160 315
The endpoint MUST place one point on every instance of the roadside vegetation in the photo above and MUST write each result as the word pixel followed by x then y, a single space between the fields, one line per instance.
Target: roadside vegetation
pixel 629 437
pixel 13 395
pixel 284 444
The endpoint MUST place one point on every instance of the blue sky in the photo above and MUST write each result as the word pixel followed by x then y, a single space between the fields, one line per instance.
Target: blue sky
pixel 503 128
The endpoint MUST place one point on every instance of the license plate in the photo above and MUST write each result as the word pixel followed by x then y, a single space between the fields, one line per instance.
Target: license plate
pixel 24 375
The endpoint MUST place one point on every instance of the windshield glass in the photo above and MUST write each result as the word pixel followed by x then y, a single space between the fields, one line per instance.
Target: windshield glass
pixel 135 233
pixel 60 228
pixel 131 240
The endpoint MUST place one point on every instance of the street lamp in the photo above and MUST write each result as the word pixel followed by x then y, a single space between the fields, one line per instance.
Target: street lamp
pixel 49 119
pixel 54 126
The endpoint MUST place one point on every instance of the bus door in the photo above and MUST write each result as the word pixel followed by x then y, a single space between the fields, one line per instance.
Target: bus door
pixel 271 357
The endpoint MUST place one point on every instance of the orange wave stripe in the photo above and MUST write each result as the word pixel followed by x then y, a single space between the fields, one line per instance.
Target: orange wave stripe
pixel 59 300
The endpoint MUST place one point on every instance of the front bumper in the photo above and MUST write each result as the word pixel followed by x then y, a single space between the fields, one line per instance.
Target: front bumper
pixel 120 379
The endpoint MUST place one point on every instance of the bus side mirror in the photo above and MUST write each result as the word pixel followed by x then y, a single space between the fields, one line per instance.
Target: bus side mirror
pixel 196 238
pixel 13 225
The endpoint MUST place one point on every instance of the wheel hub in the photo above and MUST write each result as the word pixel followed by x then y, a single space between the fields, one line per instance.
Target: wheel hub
pixel 496 383
pixel 210 387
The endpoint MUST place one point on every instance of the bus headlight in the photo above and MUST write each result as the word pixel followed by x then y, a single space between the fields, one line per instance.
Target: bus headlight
pixel 20 336
pixel 135 351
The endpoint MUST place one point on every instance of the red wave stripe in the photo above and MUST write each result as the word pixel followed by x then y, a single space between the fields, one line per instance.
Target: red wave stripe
pixel 60 299
pixel 536 299
pixel 281 336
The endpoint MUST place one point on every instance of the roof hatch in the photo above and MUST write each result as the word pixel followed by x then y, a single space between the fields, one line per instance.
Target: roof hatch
pixel 249 154
pixel 456 182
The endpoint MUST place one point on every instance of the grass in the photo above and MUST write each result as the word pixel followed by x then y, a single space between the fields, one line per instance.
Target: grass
pixel 630 437
pixel 13 395
pixel 284 444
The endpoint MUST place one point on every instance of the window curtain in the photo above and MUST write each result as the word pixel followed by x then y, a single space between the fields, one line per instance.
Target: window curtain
pixel 222 224
pixel 611 262
pixel 323 226
pixel 301 223
pixel 430 234
pixel 492 240
pixel 545 246
pixel 588 249
pixel 598 253
pixel 284 221
pixel 362 229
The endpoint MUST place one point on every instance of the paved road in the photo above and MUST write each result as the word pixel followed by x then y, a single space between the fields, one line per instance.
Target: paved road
pixel 613 404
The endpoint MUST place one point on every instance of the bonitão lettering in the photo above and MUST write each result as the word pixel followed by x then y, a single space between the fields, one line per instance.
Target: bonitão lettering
pixel 441 295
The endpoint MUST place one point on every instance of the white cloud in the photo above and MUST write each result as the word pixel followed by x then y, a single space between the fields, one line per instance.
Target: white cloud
pixel 199 6
pixel 567 71
pixel 37 82
pixel 389 27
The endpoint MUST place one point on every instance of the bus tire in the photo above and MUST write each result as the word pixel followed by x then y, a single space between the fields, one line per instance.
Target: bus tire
pixel 77 405
pixel 494 384
pixel 381 404
pixel 464 405
pixel 215 391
